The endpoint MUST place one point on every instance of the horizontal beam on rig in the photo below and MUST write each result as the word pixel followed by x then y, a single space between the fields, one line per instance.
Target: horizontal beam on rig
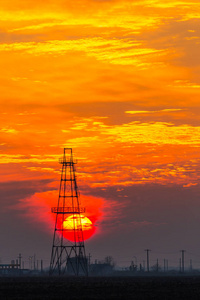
pixel 65 179
pixel 68 210
pixel 68 229
pixel 65 162
pixel 68 196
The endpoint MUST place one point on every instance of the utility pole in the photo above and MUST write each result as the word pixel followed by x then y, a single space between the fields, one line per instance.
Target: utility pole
pixel 41 266
pixel 140 267
pixel 157 265
pixel 182 261
pixel 20 260
pixel 147 251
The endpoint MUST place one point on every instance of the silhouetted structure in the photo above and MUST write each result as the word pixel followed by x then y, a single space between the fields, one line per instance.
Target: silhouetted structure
pixel 101 269
pixel 182 268
pixel 68 256
pixel 147 251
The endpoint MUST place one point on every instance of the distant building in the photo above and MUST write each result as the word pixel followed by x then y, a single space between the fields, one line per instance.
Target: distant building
pixel 101 269
pixel 72 264
pixel 10 269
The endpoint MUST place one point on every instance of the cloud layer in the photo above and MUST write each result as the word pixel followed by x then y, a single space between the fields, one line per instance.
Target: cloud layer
pixel 118 81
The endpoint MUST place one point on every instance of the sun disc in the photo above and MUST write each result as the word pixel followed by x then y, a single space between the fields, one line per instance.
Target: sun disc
pixel 75 222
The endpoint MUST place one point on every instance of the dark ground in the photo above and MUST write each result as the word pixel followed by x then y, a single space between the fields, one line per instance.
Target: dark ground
pixel 139 288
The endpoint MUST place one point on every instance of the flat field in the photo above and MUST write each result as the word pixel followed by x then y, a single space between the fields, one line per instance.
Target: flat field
pixel 98 288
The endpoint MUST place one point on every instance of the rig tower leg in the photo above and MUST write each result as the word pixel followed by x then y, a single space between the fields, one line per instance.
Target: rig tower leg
pixel 68 253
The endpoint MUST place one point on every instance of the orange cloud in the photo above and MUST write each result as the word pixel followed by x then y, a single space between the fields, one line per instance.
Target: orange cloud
pixel 118 81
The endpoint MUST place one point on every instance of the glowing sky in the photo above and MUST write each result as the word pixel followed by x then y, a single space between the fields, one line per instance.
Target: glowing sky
pixel 119 82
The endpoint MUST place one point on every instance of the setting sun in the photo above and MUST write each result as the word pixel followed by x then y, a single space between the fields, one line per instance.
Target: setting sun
pixel 75 222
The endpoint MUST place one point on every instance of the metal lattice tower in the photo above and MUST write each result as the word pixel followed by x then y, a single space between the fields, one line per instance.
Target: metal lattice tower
pixel 68 255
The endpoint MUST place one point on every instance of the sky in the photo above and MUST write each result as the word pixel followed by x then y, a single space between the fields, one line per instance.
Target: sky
pixel 118 82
